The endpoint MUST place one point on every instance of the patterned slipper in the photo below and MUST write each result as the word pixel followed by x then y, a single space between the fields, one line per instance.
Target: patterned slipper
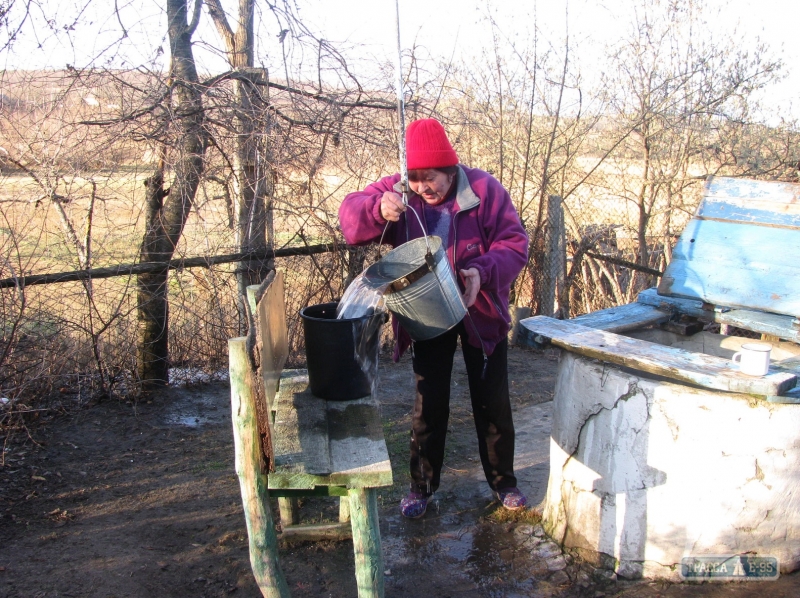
pixel 511 498
pixel 414 505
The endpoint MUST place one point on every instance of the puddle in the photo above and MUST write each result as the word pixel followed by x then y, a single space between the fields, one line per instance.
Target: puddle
pixel 200 406
pixel 480 559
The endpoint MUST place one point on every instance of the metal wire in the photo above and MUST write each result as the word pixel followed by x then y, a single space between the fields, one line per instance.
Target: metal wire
pixel 401 137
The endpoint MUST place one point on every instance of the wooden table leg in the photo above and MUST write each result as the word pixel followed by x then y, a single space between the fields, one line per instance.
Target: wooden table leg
pixel 289 511
pixel 366 542
pixel 344 509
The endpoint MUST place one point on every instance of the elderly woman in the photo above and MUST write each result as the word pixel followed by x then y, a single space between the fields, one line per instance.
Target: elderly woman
pixel 487 246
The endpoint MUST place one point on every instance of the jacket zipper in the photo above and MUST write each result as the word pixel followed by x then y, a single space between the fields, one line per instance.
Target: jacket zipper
pixel 469 315
pixel 494 302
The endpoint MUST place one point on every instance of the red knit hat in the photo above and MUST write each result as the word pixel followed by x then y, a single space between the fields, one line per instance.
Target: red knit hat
pixel 427 145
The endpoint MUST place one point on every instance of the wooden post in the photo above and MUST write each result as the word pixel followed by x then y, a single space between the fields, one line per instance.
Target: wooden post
pixel 366 542
pixel 554 267
pixel 252 479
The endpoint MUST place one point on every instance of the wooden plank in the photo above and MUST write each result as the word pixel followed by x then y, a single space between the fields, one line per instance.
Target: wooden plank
pixel 791 397
pixel 770 214
pixel 270 317
pixel 289 510
pixel 316 532
pixel 746 319
pixel 336 491
pixel 301 431
pixel 623 318
pixel 791 364
pixel 274 335
pixel 344 509
pixel 772 324
pixel 694 368
pixel 737 265
pixel 690 307
pixel 357 453
pixel 249 464
pixel 358 446
pixel 753 192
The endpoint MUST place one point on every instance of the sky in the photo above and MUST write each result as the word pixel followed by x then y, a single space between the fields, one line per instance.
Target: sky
pixel 71 33
pixel 458 27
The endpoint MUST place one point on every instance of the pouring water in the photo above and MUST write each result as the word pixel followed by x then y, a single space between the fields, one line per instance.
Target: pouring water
pixel 359 302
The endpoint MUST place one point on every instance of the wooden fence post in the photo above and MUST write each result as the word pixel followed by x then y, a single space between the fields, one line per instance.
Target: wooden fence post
pixel 554 269
pixel 251 472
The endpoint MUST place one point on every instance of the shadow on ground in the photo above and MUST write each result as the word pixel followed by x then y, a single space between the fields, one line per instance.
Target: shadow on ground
pixel 142 500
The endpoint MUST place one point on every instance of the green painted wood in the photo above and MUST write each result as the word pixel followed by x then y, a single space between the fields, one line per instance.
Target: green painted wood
pixel 317 532
pixel 316 491
pixel 694 368
pixel 366 542
pixel 746 319
pixel 371 479
pixel 358 446
pixel 263 542
pixel 251 298
pixel 623 318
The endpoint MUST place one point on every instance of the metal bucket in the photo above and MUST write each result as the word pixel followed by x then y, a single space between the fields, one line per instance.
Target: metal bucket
pixel 421 289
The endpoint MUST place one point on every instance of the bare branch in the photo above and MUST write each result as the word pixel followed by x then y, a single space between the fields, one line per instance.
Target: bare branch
pixel 198 4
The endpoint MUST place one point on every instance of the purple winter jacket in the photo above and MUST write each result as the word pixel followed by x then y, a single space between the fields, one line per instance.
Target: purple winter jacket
pixel 486 234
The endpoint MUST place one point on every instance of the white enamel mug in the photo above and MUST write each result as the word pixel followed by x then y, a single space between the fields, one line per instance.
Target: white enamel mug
pixel 753 359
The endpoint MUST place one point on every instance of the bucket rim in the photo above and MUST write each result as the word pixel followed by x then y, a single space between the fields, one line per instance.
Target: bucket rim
pixel 372 278
pixel 332 305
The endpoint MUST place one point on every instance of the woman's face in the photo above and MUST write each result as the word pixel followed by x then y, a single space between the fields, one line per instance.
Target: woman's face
pixel 431 185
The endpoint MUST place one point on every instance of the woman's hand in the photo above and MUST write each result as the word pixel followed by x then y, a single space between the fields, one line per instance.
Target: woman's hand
pixel 392 206
pixel 472 284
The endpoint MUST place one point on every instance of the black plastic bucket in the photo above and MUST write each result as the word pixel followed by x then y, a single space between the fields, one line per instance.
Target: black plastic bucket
pixel 334 372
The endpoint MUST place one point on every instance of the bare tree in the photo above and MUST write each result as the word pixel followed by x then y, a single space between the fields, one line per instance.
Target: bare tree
pixel 675 92
pixel 168 209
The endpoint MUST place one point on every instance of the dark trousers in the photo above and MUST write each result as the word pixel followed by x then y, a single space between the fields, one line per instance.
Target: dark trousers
pixel 491 410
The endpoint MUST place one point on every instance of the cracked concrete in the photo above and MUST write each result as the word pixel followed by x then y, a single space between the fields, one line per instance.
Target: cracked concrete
pixel 646 472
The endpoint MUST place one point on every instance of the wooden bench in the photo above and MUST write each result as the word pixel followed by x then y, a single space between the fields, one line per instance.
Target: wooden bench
pixel 319 448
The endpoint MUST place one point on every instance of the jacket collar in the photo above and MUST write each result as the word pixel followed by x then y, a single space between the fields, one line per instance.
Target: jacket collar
pixel 465 196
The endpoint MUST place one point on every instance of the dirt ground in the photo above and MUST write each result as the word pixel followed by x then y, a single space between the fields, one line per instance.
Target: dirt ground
pixel 142 500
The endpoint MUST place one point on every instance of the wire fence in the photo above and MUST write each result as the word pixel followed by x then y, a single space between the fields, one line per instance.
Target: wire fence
pixel 78 338
pixel 601 228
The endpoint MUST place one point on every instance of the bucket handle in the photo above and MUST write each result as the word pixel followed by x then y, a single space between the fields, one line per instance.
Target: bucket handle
pixel 422 226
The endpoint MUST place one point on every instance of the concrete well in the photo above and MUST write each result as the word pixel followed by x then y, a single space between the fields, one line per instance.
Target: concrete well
pixel 644 472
